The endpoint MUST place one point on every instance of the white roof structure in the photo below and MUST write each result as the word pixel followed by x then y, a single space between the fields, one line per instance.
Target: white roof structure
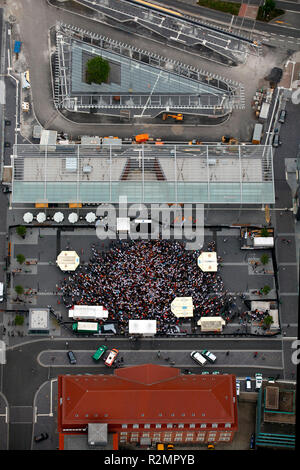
pixel 142 327
pixel 123 224
pixel 39 319
pixel 207 261
pixel 211 323
pixel 88 312
pixel 68 260
pixel 182 307
pixel 263 241
pixel 48 139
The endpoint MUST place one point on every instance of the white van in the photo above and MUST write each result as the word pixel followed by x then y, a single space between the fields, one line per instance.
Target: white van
pixel 1 291
pixel 197 356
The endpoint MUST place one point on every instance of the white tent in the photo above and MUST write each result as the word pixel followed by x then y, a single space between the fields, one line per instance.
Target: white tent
pixel 41 217
pixel 90 217
pixel 182 307
pixel 58 217
pixel 207 261
pixel 28 217
pixel 73 217
pixel 211 323
pixel 123 224
pixel 68 260
pixel 142 327
pixel 88 312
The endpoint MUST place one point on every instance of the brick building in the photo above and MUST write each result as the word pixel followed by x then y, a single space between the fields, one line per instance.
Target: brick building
pixel 149 403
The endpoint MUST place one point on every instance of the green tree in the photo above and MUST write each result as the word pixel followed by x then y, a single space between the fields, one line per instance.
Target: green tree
pixel 268 320
pixel 19 320
pixel 97 70
pixel 19 289
pixel 268 6
pixel 265 290
pixel 20 258
pixel 264 232
pixel 264 259
pixel 21 231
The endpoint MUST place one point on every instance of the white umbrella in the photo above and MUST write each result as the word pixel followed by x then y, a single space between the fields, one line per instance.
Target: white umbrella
pixel 73 217
pixel 58 217
pixel 90 217
pixel 41 217
pixel 28 217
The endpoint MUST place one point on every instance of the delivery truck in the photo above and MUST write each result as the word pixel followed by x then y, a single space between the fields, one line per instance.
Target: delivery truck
pixel 257 133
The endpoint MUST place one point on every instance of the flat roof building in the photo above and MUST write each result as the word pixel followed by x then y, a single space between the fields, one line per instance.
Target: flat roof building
pixel 144 173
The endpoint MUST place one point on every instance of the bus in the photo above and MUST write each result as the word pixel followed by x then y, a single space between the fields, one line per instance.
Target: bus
pixel 85 327
pixel 88 312
pixel 99 353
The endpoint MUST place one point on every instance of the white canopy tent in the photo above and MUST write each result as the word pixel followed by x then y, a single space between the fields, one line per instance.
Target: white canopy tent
pixel 88 312
pixel 207 261
pixel 123 224
pixel 211 323
pixel 68 260
pixel 142 327
pixel 182 307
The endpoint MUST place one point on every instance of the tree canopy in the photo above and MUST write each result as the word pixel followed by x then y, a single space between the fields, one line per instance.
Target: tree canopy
pixel 97 70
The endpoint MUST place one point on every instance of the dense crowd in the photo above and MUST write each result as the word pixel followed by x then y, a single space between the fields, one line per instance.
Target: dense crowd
pixel 139 280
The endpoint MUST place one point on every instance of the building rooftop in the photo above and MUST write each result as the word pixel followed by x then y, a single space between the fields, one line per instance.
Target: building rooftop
pixel 146 394
pixel 144 173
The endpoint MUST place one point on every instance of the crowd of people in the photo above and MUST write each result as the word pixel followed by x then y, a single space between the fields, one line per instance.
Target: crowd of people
pixel 140 279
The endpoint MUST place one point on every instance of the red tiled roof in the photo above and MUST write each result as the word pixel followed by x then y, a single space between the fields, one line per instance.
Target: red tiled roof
pixel 146 394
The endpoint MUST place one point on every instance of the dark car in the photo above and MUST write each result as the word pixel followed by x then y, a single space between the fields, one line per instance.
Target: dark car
pixel 41 437
pixel 7 122
pixel 252 441
pixel 71 357
pixel 282 116
pixel 276 139
pixel 7 144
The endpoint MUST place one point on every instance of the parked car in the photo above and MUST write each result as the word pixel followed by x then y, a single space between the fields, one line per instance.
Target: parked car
pixel 248 383
pixel 99 353
pixel 41 437
pixel 271 380
pixel 258 381
pixel 215 372
pixel 282 116
pixel 111 357
pixel 71 357
pixel 197 356
pixel 7 122
pixel 276 139
pixel 7 144
pixel 252 441
pixel 238 387
pixel 208 355
pixel 205 372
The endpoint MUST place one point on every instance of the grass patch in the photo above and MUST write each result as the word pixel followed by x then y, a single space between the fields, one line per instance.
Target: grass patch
pixel 273 14
pixel 226 7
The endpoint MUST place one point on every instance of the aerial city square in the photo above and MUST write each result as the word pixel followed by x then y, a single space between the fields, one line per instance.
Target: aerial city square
pixel 150 234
